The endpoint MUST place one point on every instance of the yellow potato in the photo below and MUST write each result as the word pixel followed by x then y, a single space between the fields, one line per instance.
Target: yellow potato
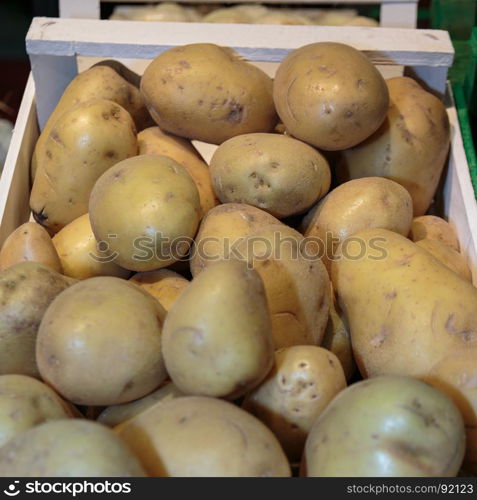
pixel 296 284
pixel 222 229
pixel 355 205
pixel 164 285
pixel 203 437
pixel 150 205
pixel 410 147
pixel 300 386
pixel 68 448
pixel 386 426
pixel 218 337
pixel 431 227
pixel 117 414
pixel 206 92
pixel 456 376
pixel 449 257
pixel 83 143
pixel 274 172
pixel 330 95
pixel 337 338
pixel 26 402
pixel 29 242
pixel 152 141
pixel 99 343
pixel 80 254
pixel 26 291
pixel 406 311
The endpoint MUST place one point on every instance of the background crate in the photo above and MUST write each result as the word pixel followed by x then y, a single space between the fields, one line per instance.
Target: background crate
pixel 393 13
pixel 55 45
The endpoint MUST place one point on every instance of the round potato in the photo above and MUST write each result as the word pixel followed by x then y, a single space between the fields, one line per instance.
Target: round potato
pixel 330 95
pixel 203 437
pixel 84 142
pixel 356 205
pixel 274 172
pixel 337 338
pixel 406 311
pixel 410 147
pixel 300 386
pixel 29 242
pixel 296 284
pixel 455 376
pixel 80 255
pixel 26 402
pixel 164 285
pixel 386 426
pixel 26 291
pixel 430 227
pixel 218 337
pixel 99 343
pixel 449 257
pixel 147 210
pixel 68 448
pixel 222 229
pixel 152 141
pixel 117 414
pixel 206 92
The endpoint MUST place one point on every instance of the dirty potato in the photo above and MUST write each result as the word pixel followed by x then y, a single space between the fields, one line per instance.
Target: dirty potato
pixel 206 92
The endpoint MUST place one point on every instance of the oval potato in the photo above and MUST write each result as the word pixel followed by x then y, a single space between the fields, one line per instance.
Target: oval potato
pixel 300 386
pixel 169 441
pixel 330 95
pixel 431 227
pixel 274 172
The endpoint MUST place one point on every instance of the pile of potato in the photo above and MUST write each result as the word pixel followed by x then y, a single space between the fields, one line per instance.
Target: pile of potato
pixel 242 14
pixel 166 317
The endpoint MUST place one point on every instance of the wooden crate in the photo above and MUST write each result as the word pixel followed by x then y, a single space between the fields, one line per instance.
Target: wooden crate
pixel 54 46
pixel 392 14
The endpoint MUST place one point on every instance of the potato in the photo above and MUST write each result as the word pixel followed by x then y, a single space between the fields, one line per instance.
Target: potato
pixel 218 336
pixel 455 376
pixel 387 426
pixel 80 254
pixel 83 143
pixel 117 414
pixel 108 80
pixel 99 343
pixel 431 227
pixel 296 284
pixel 337 338
pixel 300 386
pixel 206 92
pixel 164 285
pixel 152 141
pixel 150 205
pixel 222 229
pixel 421 310
pixel 203 437
pixel 26 402
pixel 330 95
pixel 29 242
pixel 356 205
pixel 68 448
pixel 410 147
pixel 276 173
pixel 449 257
pixel 26 290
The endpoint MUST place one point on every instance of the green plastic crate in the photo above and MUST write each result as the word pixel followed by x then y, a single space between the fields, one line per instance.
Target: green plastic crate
pixel 455 16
